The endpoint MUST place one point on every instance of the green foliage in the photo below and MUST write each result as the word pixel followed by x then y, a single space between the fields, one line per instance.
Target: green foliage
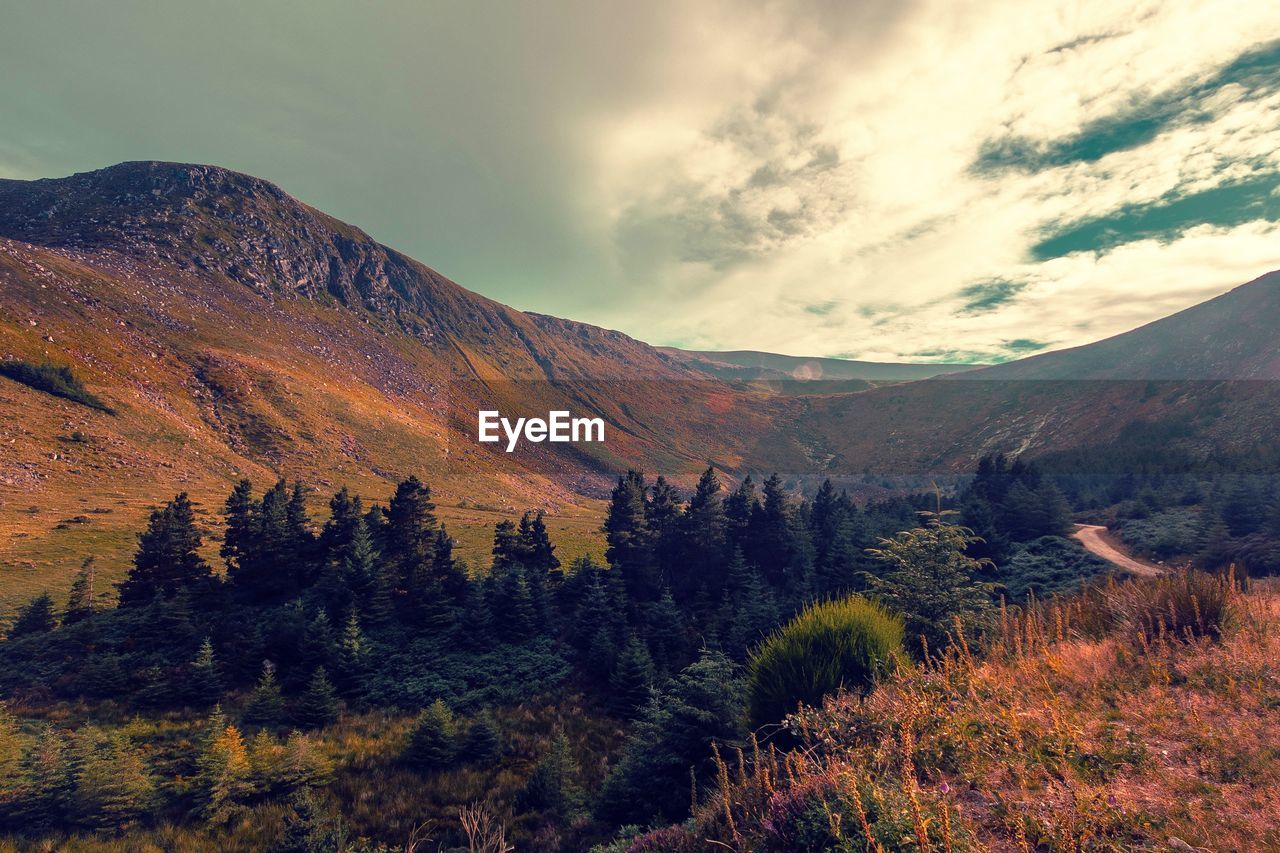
pixel 168 558
pixel 930 581
pixel 81 600
pixel 35 618
pixel 205 686
pixel 266 704
pixel 52 379
pixel 223 782
pixel 483 741
pixel 673 735
pixel 632 679
pixel 113 786
pixel 552 787
pixel 318 704
pixel 840 644
pixel 433 742
pixel 1049 566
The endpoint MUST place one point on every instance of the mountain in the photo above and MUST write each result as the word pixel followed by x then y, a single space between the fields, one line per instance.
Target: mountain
pixel 236 331
pixel 233 331
pixel 750 365
pixel 1200 383
pixel 1231 337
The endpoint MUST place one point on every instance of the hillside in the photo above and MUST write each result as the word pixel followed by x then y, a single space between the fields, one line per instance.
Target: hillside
pixel 1074 731
pixel 238 332
pixel 1201 380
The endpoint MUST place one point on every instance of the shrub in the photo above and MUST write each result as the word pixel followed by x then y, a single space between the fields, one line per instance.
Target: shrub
pixel 1185 604
pixel 433 742
pixel 844 643
pixel 51 379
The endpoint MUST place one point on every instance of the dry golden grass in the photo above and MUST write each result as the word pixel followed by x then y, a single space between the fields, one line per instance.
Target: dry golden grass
pixel 1067 735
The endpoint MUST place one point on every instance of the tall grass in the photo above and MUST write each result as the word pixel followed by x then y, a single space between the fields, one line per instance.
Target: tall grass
pixel 844 643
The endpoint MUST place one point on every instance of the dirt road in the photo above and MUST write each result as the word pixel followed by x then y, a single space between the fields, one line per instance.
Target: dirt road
pixel 1096 539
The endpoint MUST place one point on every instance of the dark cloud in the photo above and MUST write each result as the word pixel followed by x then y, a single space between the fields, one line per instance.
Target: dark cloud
pixel 984 296
pixel 1256 72
pixel 1228 205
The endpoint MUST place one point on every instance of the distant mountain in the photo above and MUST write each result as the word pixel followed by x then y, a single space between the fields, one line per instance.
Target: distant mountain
pixel 750 365
pixel 1231 337
pixel 1200 383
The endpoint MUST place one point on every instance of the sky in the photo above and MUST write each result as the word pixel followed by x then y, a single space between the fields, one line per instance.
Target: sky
pixel 916 180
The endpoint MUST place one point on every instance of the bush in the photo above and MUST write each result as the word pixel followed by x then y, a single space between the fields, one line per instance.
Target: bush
pixel 433 742
pixel 1186 604
pixel 844 643
pixel 58 381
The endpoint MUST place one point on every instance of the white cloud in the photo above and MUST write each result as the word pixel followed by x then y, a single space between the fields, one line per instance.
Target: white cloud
pixel 780 165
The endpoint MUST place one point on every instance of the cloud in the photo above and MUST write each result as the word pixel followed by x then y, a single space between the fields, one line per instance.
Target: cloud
pixel 884 179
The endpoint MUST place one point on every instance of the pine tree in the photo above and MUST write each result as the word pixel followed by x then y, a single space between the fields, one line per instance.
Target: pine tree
pixel 410 540
pixel 34 618
pixel 702 528
pixel 353 657
pixel 930 581
pixel 627 534
pixel 483 743
pixel 318 646
pixel 205 686
pixel 168 558
pixel 240 512
pixel 112 784
pixel 477 621
pixel 512 607
pixel 82 601
pixel 224 780
pixel 665 632
pixel 266 705
pixel 672 735
pixel 49 783
pixel 632 679
pixel 345 515
pixel 433 742
pixel 552 787
pixel 318 704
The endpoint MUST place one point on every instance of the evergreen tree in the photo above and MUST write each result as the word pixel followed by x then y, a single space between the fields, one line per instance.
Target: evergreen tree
pixel 929 580
pixel 112 784
pixel 477 621
pixel 353 657
pixel 318 704
pixel 318 646
pixel 673 735
pixel 168 558
pixel 82 600
pixel 739 508
pixel 205 686
pixel 552 787
pixel 632 679
pixel 665 631
pixel 238 543
pixel 701 563
pixel 345 516
pixel 433 742
pixel 483 743
pixel 36 617
pixel 224 780
pixel 512 607
pixel 627 534
pixel 410 540
pixel 49 783
pixel 266 705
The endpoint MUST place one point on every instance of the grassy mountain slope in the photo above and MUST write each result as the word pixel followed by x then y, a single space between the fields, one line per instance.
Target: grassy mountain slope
pixel 237 332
